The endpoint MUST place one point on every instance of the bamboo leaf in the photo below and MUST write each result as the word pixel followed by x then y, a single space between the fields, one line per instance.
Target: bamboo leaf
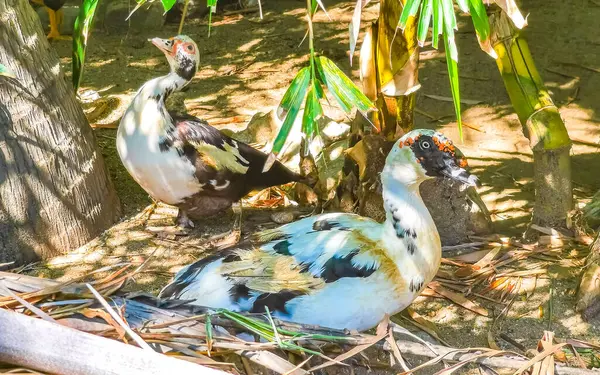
pixel 438 22
pixel 290 106
pixel 168 4
pixel 4 71
pixel 81 31
pixel 462 4
pixel 355 26
pixel 482 26
pixel 448 15
pixel 411 7
pixel 347 94
pixel 454 84
pixel 424 21
pixel 312 112
pixel 301 80
pixel 323 8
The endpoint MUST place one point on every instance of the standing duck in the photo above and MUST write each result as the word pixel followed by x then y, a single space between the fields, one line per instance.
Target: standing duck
pixel 181 160
pixel 337 270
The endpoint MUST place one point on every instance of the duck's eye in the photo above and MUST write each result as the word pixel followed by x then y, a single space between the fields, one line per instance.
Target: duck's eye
pixel 190 47
pixel 425 145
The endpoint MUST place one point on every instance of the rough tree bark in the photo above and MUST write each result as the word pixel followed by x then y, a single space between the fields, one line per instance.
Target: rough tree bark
pixel 55 194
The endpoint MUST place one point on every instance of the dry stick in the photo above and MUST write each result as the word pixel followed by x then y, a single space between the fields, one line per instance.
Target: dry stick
pixel 118 319
pixel 458 355
pixel 51 348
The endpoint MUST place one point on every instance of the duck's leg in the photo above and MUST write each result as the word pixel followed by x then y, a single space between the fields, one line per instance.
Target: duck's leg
pixel 56 20
pixel 183 221
pixel 236 230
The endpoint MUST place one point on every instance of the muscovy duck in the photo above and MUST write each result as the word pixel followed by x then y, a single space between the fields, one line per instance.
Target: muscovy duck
pixel 337 270
pixel 181 160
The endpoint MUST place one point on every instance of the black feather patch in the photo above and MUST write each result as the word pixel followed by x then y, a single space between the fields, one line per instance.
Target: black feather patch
pixel 282 248
pixel 179 284
pixel 415 284
pixel 239 292
pixel 274 301
pixel 411 247
pixel 401 231
pixel 337 268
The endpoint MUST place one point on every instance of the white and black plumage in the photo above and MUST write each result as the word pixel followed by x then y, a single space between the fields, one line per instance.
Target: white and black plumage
pixel 337 270
pixel 182 160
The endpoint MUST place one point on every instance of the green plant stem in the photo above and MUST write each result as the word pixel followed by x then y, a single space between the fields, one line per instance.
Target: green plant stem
pixel 541 122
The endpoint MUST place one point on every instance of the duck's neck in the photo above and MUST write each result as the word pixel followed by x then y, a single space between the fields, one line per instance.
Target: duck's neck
pixel 160 88
pixel 409 230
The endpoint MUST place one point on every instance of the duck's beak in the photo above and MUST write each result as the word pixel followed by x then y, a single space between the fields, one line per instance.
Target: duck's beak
pixel 457 173
pixel 164 45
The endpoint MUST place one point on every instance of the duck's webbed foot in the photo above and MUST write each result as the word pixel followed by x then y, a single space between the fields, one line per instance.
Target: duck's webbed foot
pixel 183 221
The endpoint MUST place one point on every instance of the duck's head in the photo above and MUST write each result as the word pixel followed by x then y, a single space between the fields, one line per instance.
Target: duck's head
pixel 422 154
pixel 182 53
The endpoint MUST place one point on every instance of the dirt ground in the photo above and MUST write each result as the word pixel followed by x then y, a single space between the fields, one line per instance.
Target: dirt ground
pixel 247 64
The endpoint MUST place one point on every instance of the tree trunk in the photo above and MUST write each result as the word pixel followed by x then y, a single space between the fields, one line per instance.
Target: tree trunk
pixel 55 194
pixel 541 123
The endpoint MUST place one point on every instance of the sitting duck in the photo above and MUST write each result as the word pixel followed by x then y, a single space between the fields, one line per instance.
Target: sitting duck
pixel 337 270
pixel 181 160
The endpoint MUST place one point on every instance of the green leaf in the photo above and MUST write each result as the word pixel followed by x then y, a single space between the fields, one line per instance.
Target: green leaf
pixel 449 16
pixel 4 71
pixel 312 112
pixel 347 94
pixel 81 31
pixel 482 26
pixel 462 4
pixel 438 22
pixel 454 84
pixel 410 10
pixel 424 21
pixel 212 8
pixel 290 106
pixel 449 21
pixel 168 4
pixel 209 335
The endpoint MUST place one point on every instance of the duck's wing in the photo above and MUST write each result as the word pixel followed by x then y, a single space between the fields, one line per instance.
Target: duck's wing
pixel 277 265
pixel 222 163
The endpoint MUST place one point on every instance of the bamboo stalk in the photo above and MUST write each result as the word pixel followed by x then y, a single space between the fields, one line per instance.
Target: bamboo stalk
pixel 540 120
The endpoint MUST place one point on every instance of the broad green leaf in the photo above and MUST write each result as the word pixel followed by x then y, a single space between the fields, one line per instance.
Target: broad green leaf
pixel 454 84
pixel 290 106
pixel 424 21
pixel 482 26
pixel 410 10
pixel 81 31
pixel 312 112
pixel 347 94
pixel 4 71
pixel 462 4
pixel 438 22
